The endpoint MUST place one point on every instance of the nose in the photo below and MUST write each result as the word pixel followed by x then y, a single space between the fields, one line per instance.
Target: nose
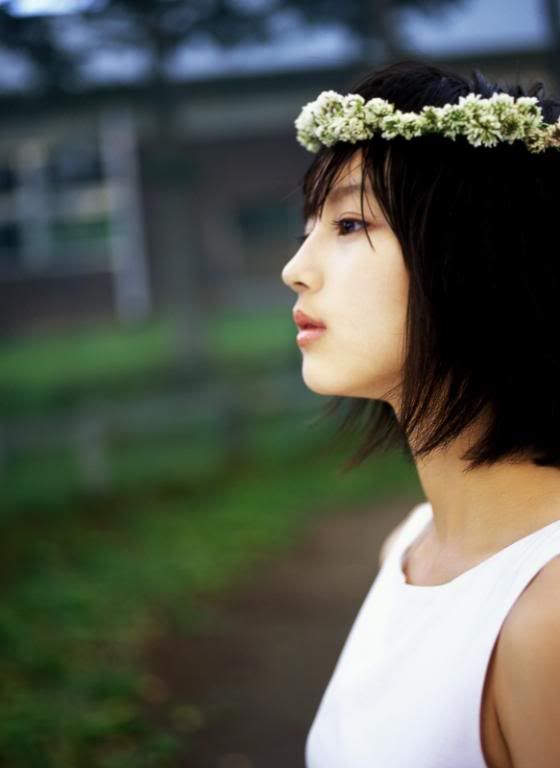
pixel 288 272
pixel 299 273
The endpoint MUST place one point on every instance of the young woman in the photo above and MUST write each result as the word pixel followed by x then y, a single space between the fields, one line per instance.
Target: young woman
pixel 430 259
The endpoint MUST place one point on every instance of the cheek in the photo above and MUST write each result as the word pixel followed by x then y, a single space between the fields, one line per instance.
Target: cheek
pixel 363 355
pixel 362 352
pixel 375 319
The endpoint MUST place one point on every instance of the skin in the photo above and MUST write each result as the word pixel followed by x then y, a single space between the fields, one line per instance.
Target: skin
pixel 360 294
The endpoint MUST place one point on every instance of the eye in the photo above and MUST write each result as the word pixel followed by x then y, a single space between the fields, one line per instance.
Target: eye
pixel 340 225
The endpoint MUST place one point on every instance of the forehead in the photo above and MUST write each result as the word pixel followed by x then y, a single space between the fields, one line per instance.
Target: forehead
pixel 347 184
pixel 350 172
pixel 348 180
pixel 328 186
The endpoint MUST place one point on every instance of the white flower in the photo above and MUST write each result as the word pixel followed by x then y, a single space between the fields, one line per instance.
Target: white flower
pixel 334 117
pixel 376 110
pixel 503 98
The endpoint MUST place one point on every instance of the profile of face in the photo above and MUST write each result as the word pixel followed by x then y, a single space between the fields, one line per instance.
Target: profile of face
pixel 356 289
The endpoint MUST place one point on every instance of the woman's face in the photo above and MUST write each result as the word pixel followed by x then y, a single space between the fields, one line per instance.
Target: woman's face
pixel 358 292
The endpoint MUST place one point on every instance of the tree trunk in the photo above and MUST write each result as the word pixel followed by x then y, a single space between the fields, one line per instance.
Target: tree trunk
pixel 172 179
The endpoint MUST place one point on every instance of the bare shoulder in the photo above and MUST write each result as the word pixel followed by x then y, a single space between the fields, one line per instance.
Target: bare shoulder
pixel 527 676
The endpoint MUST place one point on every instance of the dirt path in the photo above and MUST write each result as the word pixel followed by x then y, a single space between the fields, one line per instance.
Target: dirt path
pixel 259 674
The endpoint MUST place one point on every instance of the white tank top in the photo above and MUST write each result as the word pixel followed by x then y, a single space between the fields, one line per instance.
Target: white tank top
pixel 406 691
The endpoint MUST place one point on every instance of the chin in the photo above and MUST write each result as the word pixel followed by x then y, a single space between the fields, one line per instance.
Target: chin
pixel 319 384
pixel 323 385
pixel 333 386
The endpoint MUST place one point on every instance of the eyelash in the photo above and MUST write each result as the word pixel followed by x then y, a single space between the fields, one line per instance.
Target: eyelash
pixel 335 223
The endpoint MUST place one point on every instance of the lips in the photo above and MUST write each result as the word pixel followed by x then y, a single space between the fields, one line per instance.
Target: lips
pixel 309 328
pixel 304 321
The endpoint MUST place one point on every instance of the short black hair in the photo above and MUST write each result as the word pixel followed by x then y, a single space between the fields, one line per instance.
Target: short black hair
pixel 478 228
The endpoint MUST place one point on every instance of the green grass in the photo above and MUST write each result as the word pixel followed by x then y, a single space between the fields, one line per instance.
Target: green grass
pixel 48 362
pixel 89 356
pixel 43 375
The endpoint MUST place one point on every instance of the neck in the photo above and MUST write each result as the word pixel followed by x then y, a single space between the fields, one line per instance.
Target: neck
pixel 479 512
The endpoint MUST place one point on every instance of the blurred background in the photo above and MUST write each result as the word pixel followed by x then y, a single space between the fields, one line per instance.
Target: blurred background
pixel 181 560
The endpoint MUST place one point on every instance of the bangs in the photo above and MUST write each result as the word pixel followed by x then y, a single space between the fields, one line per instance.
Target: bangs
pixel 321 175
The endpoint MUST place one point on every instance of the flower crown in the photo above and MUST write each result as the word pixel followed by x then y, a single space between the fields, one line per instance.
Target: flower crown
pixel 333 117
